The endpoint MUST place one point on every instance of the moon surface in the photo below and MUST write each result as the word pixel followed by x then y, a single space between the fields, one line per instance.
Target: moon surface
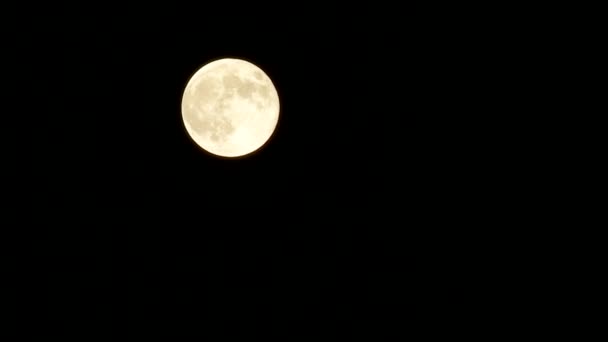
pixel 230 107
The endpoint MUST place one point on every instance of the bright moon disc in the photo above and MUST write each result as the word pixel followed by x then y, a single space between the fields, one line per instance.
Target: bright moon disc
pixel 230 107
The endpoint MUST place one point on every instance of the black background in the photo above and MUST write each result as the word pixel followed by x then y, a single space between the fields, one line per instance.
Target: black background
pixel 342 224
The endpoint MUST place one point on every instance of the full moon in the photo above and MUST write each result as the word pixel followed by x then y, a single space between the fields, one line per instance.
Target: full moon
pixel 230 107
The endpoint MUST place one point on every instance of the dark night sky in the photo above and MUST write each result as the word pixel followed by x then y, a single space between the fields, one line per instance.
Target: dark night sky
pixel 301 239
